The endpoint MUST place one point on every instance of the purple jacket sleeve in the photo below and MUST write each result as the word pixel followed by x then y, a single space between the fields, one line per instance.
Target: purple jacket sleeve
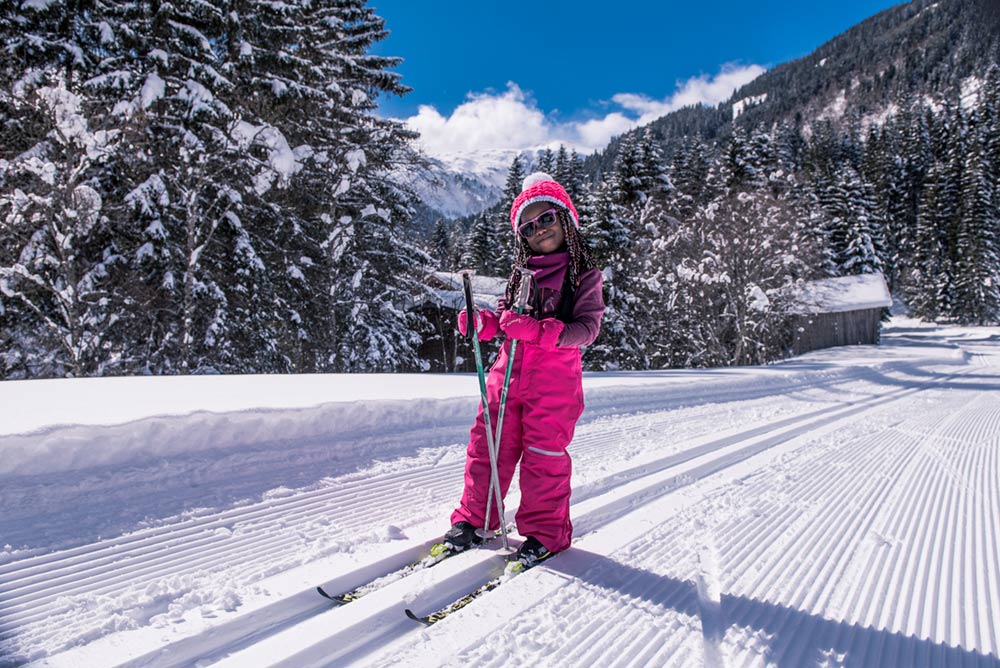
pixel 588 307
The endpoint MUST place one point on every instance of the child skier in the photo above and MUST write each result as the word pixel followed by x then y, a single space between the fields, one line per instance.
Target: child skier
pixel 546 394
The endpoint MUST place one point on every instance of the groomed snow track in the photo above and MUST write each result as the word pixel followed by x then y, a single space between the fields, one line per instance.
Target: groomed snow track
pixel 828 516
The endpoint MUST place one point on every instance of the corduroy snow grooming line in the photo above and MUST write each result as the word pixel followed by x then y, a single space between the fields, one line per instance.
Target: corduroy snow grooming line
pixel 540 187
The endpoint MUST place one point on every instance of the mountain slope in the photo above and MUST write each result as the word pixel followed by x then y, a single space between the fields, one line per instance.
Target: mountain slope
pixel 922 50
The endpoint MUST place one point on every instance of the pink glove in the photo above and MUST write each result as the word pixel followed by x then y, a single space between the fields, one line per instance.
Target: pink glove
pixel 519 326
pixel 487 323
pixel 543 333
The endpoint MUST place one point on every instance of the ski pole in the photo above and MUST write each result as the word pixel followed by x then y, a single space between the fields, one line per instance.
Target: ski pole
pixel 521 302
pixel 491 446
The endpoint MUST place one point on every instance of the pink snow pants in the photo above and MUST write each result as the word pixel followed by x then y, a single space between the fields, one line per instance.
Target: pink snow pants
pixel 544 402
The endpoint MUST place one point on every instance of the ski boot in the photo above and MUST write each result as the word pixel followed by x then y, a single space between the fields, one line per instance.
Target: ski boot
pixel 531 553
pixel 461 536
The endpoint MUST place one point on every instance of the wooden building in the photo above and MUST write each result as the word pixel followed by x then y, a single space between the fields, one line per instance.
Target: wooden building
pixel 843 311
pixel 443 347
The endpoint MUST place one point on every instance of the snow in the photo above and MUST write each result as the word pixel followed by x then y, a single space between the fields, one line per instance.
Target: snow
pixel 107 34
pixel 282 161
pixel 742 105
pixel 355 159
pixel 37 5
pixel 841 508
pixel 835 109
pixel 461 183
pixel 844 293
pixel 448 290
pixel 153 89
pixel 971 92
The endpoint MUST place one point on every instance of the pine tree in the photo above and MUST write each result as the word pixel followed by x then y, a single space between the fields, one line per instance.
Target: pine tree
pixel 689 178
pixel 480 248
pixel 503 234
pixel 922 284
pixel 382 268
pixel 653 170
pixel 203 294
pixel 860 235
pixel 627 173
pixel 562 170
pixel 59 249
pixel 741 164
pixel 977 275
pixel 441 245
pixel 883 169
pixel 546 162
pixel 620 343
pixel 576 185
pixel 789 147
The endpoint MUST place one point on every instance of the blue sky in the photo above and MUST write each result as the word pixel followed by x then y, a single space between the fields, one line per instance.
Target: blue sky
pixel 517 74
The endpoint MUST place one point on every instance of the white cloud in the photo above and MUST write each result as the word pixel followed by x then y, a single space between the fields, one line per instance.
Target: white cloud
pixel 485 121
pixel 696 90
pixel 512 120
pixel 595 133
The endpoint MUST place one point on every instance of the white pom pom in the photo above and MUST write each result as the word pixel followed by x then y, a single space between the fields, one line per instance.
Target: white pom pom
pixel 532 179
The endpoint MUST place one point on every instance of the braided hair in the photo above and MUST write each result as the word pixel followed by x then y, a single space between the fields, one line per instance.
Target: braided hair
pixel 580 258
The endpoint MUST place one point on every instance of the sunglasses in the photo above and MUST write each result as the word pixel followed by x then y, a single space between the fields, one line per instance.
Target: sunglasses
pixel 542 221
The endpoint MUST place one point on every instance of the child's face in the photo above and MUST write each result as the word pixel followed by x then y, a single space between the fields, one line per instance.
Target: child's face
pixel 547 240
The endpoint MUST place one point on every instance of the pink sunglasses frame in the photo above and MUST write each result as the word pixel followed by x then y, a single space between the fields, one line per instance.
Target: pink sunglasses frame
pixel 538 226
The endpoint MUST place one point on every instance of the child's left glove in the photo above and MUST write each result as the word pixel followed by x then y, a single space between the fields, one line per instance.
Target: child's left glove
pixel 544 333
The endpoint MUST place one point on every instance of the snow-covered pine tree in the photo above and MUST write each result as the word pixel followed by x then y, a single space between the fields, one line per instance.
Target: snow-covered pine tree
pixel 789 147
pixel 627 174
pixel 689 177
pixel 202 299
pixel 500 214
pixel 917 157
pixel 653 170
pixel 951 142
pixel 576 182
pixel 621 343
pixel 742 167
pixel 883 169
pixel 59 250
pixel 482 246
pixel 282 84
pixel 562 168
pixel 921 286
pixel 440 248
pixel 858 238
pixel 376 269
pixel 977 276
pixel 546 162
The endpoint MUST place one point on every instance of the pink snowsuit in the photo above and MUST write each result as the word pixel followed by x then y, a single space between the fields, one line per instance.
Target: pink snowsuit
pixel 544 402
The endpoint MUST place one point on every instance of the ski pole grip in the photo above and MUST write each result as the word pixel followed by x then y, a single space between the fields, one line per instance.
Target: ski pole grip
pixel 524 290
pixel 471 330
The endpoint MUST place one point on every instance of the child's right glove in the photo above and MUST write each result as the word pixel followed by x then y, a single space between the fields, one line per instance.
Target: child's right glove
pixel 487 321
pixel 544 333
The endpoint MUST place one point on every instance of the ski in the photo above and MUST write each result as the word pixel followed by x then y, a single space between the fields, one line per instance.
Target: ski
pixel 439 552
pixel 513 568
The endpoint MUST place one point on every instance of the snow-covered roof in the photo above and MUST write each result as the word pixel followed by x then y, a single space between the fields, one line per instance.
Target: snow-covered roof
pixel 844 293
pixel 449 292
pixel 486 285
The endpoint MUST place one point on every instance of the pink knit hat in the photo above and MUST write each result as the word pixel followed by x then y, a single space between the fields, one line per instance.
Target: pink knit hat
pixel 540 187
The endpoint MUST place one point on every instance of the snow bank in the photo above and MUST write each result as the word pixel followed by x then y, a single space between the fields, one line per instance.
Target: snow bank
pixel 61 425
pixel 55 426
